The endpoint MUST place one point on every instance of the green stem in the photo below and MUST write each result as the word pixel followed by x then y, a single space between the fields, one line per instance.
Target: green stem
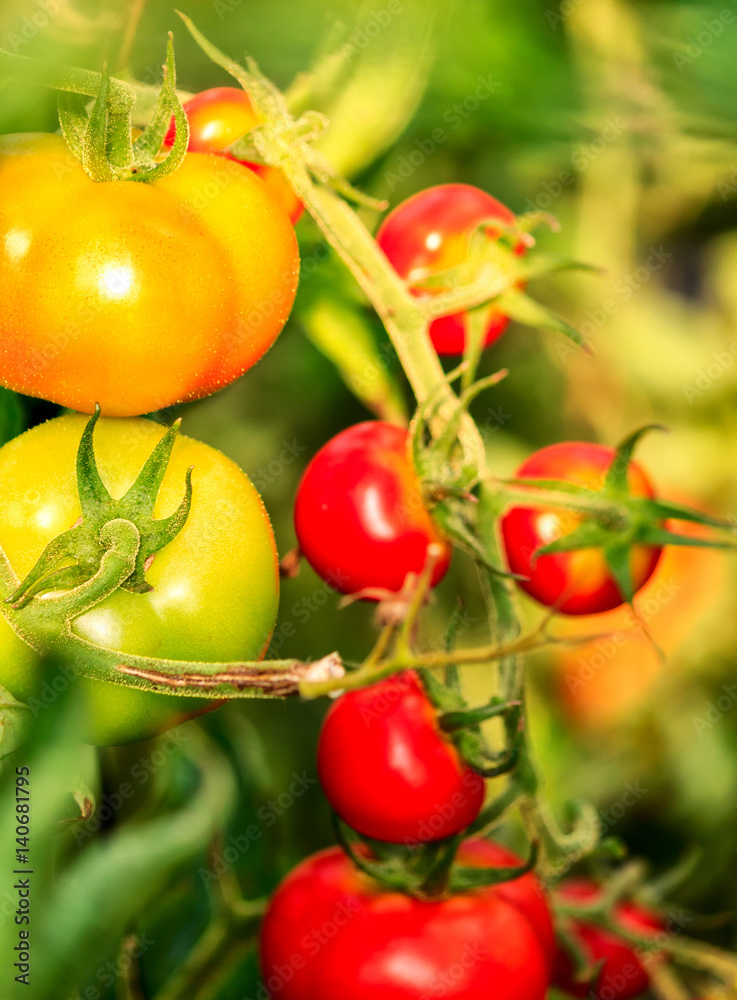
pixel 201 972
pixel 131 28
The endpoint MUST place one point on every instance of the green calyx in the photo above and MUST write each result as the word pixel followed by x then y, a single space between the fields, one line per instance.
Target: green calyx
pixel 615 521
pixel 423 870
pixel 102 141
pixel 75 556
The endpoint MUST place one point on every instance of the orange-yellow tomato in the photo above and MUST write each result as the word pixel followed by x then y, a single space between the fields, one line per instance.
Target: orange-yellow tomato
pixel 136 295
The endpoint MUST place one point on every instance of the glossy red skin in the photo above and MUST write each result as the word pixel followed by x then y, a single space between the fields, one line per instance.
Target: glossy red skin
pixel 219 116
pixel 622 975
pixel 579 582
pixel 330 933
pixel 428 233
pixel 358 514
pixel 389 771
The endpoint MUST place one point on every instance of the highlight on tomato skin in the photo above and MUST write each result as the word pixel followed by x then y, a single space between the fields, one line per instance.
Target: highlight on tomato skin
pixel 428 233
pixel 389 771
pixel 622 975
pixel 219 116
pixel 577 582
pixel 332 933
pixel 359 517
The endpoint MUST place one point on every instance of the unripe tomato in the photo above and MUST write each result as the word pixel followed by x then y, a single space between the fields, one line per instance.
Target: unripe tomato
pixel 622 975
pixel 215 586
pixel 219 116
pixel 389 771
pixel 577 582
pixel 331 933
pixel 359 516
pixel 428 233
pixel 136 295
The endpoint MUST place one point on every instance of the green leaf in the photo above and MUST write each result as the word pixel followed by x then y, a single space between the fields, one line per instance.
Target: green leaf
pixel 617 557
pixel 343 335
pixel 95 901
pixel 662 509
pixel 520 307
pixel 588 535
pixel 655 535
pixel 616 477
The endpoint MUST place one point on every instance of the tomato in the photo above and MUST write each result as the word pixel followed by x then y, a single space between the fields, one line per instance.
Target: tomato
pixel 428 233
pixel 331 933
pixel 577 582
pixel 134 295
pixel 389 771
pixel 215 586
pixel 622 975
pixel 219 116
pixel 359 516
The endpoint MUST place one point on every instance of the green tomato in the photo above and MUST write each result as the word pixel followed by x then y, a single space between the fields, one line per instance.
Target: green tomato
pixel 215 586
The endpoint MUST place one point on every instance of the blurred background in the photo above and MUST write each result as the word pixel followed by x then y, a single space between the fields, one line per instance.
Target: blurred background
pixel 617 118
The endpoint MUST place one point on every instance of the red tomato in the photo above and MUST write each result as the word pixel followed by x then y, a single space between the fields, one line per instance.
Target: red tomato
pixel 218 117
pixel 331 933
pixel 359 516
pixel 428 233
pixel 389 771
pixel 622 975
pixel 578 582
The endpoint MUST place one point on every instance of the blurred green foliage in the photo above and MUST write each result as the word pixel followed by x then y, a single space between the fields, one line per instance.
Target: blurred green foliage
pixel 617 118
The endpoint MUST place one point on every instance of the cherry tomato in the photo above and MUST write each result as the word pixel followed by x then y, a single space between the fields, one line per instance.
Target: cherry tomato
pixel 215 586
pixel 577 582
pixel 331 933
pixel 359 517
pixel 389 771
pixel 428 233
pixel 134 295
pixel 219 116
pixel 622 975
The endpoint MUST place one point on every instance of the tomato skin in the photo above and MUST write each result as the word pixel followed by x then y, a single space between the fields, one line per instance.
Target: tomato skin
pixel 219 116
pixel 622 975
pixel 389 771
pixel 429 233
pixel 330 933
pixel 136 295
pixel 578 582
pixel 359 517
pixel 215 586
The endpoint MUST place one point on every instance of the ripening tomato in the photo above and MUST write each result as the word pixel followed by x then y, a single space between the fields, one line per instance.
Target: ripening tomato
pixel 428 233
pixel 577 582
pixel 359 516
pixel 331 933
pixel 219 116
pixel 622 975
pixel 136 295
pixel 215 586
pixel 389 771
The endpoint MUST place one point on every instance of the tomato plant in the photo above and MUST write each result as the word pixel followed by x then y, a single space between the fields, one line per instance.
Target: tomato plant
pixel 135 296
pixel 621 974
pixel 359 515
pixel 578 582
pixel 429 233
pixel 215 586
pixel 389 771
pixel 330 932
pixel 219 116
